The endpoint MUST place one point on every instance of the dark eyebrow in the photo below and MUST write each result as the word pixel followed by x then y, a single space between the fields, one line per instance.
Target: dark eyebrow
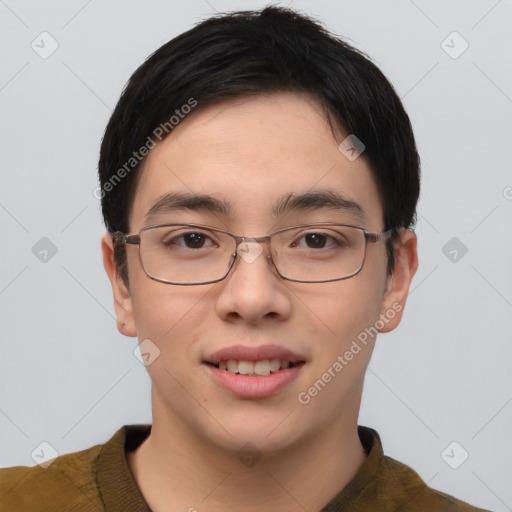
pixel 318 199
pixel 183 201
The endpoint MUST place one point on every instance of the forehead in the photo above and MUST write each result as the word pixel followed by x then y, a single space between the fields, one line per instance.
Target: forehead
pixel 252 154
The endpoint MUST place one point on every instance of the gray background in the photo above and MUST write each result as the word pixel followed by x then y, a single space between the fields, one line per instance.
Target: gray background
pixel 69 378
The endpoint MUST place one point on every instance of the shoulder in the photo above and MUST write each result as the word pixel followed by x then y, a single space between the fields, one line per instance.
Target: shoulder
pixel 68 483
pixel 412 494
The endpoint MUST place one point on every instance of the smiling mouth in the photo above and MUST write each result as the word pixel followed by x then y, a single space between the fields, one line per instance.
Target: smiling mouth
pixel 260 368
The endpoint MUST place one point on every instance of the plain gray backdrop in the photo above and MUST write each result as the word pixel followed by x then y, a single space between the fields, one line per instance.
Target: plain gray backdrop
pixel 439 388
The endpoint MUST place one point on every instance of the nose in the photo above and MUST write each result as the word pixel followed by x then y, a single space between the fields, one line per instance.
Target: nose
pixel 253 291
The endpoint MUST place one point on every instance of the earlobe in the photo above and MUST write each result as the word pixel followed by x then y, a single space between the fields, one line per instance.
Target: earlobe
pixel 398 283
pixel 122 298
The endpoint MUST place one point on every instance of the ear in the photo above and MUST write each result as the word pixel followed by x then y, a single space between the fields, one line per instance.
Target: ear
pixel 122 298
pixel 395 296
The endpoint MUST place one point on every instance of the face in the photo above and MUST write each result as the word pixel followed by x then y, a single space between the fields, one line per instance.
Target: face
pixel 252 154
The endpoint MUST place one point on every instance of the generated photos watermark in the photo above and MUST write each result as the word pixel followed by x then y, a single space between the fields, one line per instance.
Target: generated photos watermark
pixel 304 397
pixel 157 134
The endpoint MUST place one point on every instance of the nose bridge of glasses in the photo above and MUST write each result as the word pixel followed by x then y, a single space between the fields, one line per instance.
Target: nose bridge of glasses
pixel 250 248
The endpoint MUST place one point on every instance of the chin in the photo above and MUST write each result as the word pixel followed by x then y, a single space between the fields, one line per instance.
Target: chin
pixel 268 434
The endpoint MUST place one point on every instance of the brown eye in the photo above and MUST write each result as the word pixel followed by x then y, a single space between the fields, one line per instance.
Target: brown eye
pixel 194 240
pixel 315 240
pixel 190 240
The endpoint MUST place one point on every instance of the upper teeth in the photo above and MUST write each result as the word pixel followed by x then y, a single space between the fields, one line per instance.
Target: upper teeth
pixel 263 367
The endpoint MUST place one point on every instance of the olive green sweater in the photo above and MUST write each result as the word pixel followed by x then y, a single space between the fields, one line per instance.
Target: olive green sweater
pixel 99 479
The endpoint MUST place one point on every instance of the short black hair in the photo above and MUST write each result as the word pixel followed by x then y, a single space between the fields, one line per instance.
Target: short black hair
pixel 248 53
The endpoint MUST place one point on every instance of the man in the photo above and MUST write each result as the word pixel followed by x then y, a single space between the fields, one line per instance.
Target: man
pixel 259 180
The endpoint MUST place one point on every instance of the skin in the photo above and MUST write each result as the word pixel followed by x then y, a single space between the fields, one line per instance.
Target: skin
pixel 251 152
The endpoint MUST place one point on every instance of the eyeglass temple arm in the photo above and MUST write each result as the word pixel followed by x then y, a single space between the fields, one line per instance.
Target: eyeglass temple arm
pixel 376 237
pixel 121 238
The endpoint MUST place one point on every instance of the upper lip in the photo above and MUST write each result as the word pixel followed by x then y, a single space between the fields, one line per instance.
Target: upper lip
pixel 244 353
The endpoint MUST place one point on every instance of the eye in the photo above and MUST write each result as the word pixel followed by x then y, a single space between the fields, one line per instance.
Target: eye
pixel 318 241
pixel 314 240
pixel 191 240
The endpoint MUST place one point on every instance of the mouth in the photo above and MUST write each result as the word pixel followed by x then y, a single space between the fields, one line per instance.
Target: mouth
pixel 251 372
pixel 261 368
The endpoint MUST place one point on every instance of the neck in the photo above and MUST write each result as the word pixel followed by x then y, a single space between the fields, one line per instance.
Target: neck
pixel 196 475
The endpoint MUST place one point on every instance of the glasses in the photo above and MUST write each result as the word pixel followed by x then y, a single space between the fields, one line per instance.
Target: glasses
pixel 191 254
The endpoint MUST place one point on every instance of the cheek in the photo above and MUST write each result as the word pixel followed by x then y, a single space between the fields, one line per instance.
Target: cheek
pixel 172 319
pixel 160 310
pixel 338 323
pixel 340 310
pixel 166 314
pixel 169 316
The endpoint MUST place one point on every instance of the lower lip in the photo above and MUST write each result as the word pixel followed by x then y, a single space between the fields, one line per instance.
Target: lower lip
pixel 254 387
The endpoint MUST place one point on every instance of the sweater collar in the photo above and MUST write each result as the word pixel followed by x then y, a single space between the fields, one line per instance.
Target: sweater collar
pixel 115 481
